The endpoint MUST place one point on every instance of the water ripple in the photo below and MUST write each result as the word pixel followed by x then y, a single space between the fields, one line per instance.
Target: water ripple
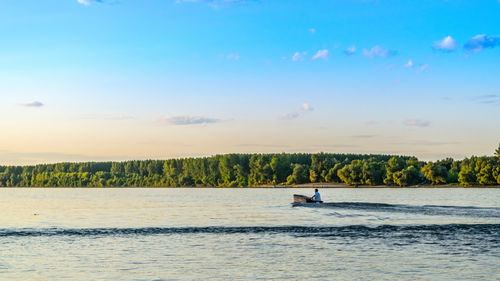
pixel 409 231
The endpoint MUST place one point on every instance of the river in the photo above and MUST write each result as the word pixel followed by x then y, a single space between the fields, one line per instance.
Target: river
pixel 249 234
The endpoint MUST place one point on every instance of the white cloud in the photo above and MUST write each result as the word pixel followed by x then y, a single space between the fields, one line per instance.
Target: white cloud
pixel 421 67
pixel 186 120
pixel 33 104
pixel 481 41
pixel 218 3
pixel 350 51
pixel 416 123
pixel 306 107
pixel 298 56
pixel 321 54
pixel 303 109
pixel 377 51
pixel 89 2
pixel 447 44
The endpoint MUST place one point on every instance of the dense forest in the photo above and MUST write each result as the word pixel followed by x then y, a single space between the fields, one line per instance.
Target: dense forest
pixel 232 170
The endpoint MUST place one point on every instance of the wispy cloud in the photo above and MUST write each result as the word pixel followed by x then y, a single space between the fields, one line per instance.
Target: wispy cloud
pixel 32 104
pixel 377 51
pixel 88 2
pixel 321 54
pixel 409 64
pixel 416 123
pixel 303 109
pixel 306 107
pixel 480 42
pixel 290 115
pixel 218 3
pixel 186 120
pixel 487 99
pixel 350 51
pixel 447 44
pixel 423 67
pixel 312 30
pixel 298 56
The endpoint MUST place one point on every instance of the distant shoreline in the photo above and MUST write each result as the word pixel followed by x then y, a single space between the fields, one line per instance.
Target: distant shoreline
pixel 284 170
pixel 270 186
pixel 342 185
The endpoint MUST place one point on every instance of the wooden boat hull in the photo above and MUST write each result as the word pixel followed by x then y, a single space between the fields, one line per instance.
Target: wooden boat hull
pixel 297 198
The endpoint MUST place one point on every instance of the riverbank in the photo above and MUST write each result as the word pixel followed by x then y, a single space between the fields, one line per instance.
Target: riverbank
pixel 270 186
pixel 343 185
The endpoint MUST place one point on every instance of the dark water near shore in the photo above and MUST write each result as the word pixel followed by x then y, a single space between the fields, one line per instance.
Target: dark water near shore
pixel 249 234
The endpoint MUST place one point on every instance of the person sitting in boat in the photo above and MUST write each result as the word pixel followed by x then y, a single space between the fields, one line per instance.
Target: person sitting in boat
pixel 316 196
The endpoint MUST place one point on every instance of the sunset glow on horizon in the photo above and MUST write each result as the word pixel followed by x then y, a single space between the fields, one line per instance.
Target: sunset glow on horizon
pixel 87 80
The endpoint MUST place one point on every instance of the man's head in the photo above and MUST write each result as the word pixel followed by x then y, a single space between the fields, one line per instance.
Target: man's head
pixel 316 190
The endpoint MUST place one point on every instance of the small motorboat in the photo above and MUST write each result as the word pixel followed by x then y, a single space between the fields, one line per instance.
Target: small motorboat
pixel 297 198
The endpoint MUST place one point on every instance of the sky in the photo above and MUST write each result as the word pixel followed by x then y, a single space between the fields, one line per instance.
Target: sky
pixel 95 80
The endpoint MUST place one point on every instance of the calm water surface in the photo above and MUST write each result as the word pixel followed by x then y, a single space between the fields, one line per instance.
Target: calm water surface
pixel 249 234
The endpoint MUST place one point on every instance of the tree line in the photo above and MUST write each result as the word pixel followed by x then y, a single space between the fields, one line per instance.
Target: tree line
pixel 233 170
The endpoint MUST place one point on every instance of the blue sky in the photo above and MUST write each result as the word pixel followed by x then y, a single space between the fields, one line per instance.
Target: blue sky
pixel 128 79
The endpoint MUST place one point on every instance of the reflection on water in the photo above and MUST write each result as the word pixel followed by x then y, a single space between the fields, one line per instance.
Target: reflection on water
pixel 231 234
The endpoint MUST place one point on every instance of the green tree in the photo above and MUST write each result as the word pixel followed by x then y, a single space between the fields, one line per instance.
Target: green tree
pixel 313 177
pixel 373 172
pixel 241 176
pixel 496 173
pixel 332 175
pixel 405 177
pixel 352 174
pixel 256 169
pixel 260 169
pixel 435 173
pixel 117 168
pixel 298 176
pixel 395 164
pixel 281 166
pixel 485 176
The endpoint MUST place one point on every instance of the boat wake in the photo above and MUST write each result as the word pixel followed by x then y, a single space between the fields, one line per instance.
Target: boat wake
pixel 435 210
